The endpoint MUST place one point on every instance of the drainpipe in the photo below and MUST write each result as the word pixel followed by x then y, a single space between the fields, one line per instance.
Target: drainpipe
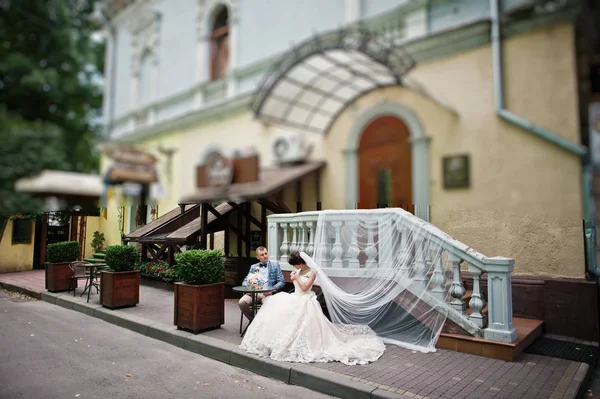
pixel 576 149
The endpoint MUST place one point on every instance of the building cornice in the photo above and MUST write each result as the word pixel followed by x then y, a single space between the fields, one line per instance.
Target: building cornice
pixel 437 45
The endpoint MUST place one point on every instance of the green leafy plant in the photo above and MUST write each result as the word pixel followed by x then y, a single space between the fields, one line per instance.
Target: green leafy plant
pixel 121 258
pixel 60 252
pixel 200 267
pixel 98 241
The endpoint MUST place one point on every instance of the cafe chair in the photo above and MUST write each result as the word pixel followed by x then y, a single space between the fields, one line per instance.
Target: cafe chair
pixel 79 273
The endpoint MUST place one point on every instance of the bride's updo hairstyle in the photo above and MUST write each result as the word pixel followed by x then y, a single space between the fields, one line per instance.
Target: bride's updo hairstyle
pixel 296 259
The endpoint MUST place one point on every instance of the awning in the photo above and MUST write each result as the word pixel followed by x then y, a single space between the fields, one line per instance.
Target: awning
pixel 157 223
pixel 316 80
pixel 271 180
pixel 62 183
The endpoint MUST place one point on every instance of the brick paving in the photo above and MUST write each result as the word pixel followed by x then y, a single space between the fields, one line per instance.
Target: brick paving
pixel 443 374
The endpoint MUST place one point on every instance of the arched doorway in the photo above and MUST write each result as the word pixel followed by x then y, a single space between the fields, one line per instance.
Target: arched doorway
pixel 385 165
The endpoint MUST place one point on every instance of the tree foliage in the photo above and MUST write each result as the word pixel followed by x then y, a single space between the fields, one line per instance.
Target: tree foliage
pixel 51 64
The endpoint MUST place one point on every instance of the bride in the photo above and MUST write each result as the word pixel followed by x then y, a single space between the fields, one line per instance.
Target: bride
pixel 293 328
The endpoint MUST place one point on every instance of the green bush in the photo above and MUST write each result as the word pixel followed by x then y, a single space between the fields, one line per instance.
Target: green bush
pixel 65 251
pixel 121 258
pixel 98 241
pixel 200 267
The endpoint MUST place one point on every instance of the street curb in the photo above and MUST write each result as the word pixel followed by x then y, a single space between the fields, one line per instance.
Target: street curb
pixel 21 290
pixel 320 380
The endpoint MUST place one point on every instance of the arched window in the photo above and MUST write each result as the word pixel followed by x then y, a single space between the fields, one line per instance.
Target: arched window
pixel 219 44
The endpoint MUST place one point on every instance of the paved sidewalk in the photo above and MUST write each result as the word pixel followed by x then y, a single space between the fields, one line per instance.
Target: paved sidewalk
pixel 398 373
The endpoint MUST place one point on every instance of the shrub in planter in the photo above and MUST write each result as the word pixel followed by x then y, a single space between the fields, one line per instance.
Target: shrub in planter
pixel 58 272
pixel 120 284
pixel 98 241
pixel 200 296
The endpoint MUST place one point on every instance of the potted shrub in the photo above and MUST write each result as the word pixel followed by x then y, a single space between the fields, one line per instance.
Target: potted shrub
pixel 58 272
pixel 120 283
pixel 98 241
pixel 200 295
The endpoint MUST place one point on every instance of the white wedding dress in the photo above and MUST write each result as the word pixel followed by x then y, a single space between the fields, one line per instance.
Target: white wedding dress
pixel 293 328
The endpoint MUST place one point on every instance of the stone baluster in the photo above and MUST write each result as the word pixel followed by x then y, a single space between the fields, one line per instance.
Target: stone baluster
pixel 404 254
pixel 353 249
pixel 371 250
pixel 477 303
pixel 285 244
pixel 310 247
pixel 337 251
pixel 457 291
pixel 437 278
pixel 303 239
pixel 294 244
pixel 420 267
pixel 324 245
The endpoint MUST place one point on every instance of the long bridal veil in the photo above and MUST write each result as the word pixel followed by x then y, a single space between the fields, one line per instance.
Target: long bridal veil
pixel 384 268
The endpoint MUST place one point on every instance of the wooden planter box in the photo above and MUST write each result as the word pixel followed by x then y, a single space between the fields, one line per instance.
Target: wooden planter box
pixel 119 289
pixel 199 307
pixel 58 277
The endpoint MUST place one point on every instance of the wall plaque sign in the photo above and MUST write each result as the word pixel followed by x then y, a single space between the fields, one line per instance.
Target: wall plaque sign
pixel 456 171
pixel 218 170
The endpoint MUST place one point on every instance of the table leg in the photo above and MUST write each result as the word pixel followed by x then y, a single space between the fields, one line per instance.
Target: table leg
pixel 88 282
pixel 91 283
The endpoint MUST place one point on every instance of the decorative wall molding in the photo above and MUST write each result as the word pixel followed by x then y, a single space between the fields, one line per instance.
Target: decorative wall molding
pixel 145 36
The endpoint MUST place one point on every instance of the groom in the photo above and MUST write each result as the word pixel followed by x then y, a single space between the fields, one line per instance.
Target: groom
pixel 271 272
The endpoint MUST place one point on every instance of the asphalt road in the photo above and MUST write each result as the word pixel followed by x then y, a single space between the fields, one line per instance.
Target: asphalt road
pixel 50 352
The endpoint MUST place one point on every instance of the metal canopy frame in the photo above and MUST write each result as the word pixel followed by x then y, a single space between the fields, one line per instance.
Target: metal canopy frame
pixel 317 79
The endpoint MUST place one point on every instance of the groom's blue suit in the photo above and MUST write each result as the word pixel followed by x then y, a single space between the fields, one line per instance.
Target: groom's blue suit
pixel 273 274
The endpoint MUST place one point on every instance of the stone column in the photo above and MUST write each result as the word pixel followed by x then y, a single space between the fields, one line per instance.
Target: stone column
pixel 500 312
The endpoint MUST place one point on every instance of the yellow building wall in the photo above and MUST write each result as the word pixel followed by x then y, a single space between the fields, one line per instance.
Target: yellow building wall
pixel 525 197
pixel 92 224
pixel 524 200
pixel 17 257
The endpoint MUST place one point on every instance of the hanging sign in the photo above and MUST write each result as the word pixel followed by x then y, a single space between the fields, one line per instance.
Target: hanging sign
pixel 218 170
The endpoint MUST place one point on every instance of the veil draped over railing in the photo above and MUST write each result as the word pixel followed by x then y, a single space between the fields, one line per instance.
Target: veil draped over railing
pixel 394 274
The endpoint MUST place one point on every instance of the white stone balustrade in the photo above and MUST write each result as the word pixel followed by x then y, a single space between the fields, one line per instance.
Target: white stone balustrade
pixel 351 251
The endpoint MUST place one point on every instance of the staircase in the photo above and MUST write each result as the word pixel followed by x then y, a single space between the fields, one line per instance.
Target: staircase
pixel 453 337
pixel 97 258
pixel 477 321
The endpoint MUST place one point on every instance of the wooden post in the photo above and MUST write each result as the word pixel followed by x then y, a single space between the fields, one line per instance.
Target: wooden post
pixel 248 207
pixel 318 190
pixel 263 220
pixel 203 225
pixel 74 227
pixel 299 196
pixel 226 238
pixel 171 254
pixel 239 226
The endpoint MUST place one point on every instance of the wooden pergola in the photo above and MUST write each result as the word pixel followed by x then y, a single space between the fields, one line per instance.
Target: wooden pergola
pixel 210 210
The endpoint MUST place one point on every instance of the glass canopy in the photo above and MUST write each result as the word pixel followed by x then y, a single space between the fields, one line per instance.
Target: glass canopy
pixel 316 80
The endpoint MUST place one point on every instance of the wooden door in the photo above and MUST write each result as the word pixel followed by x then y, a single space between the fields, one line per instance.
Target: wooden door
pixel 385 168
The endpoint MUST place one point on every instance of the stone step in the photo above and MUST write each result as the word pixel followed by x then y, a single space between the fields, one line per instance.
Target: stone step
pixel 528 330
